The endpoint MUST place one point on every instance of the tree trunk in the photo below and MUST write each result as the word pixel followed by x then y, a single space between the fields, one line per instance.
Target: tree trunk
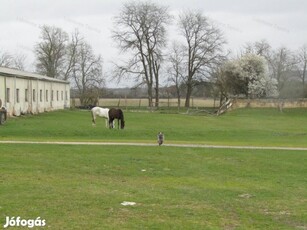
pixel 157 94
pixel 188 96
pixel 156 68
pixel 150 101
pixel 304 73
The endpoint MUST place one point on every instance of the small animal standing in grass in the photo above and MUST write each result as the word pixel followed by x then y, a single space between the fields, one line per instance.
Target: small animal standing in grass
pixel 160 138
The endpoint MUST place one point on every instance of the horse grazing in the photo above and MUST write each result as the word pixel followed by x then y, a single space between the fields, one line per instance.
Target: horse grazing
pixel 116 114
pixel 101 112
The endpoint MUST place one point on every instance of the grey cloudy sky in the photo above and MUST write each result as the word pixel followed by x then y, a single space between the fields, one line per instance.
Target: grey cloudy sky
pixel 280 22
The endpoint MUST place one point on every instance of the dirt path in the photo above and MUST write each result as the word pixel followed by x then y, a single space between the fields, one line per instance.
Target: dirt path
pixel 149 144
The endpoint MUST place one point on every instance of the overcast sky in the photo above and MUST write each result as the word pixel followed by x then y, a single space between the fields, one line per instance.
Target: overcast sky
pixel 280 22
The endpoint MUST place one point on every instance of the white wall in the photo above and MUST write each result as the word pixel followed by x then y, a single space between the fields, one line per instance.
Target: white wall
pixel 2 90
pixel 30 95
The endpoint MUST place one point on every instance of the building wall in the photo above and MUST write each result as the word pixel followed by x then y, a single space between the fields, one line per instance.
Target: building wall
pixel 2 90
pixel 270 103
pixel 21 95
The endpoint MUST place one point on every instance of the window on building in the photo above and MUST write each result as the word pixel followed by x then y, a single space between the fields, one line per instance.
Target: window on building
pixel 26 95
pixel 8 95
pixel 17 95
pixel 41 95
pixel 62 96
pixel 66 97
pixel 46 95
pixel 34 98
pixel 57 95
pixel 52 95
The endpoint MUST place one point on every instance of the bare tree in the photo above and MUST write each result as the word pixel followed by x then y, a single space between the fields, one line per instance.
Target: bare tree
pixel 176 70
pixel 282 67
pixel 140 29
pixel 302 63
pixel 204 43
pixel 50 52
pixel 262 48
pixel 70 58
pixel 6 59
pixel 87 73
pixel 19 61
pixel 16 61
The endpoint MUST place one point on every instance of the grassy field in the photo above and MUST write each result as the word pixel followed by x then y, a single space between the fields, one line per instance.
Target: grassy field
pixel 82 187
pixel 259 127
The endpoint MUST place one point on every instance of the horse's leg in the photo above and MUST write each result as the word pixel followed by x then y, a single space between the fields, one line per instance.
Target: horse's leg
pixel 93 120
pixel 111 124
pixel 117 123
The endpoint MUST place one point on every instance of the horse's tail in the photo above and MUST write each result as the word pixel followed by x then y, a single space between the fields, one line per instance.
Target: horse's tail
pixel 122 119
pixel 121 115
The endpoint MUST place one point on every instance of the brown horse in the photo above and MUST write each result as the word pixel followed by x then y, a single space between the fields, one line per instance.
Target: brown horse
pixel 116 114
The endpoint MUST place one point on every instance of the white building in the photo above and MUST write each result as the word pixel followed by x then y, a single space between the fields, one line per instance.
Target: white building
pixel 23 92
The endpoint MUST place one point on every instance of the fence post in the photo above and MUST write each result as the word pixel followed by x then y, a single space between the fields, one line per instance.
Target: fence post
pixel 126 102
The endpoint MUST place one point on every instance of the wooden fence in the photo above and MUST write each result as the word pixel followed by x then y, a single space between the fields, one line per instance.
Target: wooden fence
pixel 198 103
pixel 143 102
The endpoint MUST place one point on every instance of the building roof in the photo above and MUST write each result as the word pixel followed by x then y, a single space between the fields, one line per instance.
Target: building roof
pixel 23 74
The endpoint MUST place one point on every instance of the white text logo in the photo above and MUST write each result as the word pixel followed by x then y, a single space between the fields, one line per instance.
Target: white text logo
pixel 18 222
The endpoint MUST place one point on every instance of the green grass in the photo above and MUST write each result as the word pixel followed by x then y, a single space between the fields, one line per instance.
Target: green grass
pixel 260 127
pixel 82 187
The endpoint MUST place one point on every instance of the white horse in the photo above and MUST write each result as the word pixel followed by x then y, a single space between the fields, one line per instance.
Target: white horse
pixel 101 112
